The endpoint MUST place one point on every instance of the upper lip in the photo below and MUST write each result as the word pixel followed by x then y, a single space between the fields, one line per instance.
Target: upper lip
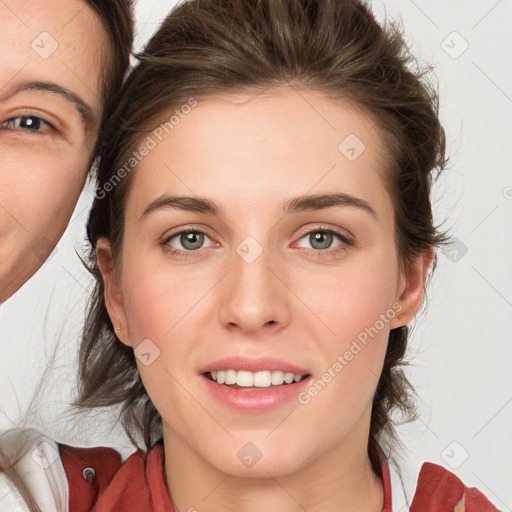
pixel 253 365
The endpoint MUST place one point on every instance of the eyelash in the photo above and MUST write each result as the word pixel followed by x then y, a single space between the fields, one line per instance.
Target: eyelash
pixel 5 124
pixel 346 241
pixel 177 252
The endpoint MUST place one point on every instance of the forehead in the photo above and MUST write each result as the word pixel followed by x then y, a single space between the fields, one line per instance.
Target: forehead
pixel 62 41
pixel 282 142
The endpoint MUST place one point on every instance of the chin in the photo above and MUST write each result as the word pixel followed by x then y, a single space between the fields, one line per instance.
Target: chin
pixel 251 462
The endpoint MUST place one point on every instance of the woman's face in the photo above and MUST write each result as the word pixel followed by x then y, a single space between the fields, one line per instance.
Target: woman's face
pixel 50 106
pixel 259 240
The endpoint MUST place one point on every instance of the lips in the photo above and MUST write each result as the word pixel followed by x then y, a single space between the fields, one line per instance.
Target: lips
pixel 254 385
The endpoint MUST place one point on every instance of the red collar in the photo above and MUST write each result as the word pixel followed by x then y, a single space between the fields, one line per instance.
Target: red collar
pixel 138 485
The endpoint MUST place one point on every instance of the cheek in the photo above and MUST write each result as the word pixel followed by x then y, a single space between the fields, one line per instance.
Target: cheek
pixel 164 301
pixel 351 298
pixel 41 191
pixel 38 193
pixel 355 306
pixel 161 316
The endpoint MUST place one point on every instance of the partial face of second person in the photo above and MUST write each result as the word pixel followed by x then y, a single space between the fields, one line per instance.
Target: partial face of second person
pixel 52 56
pixel 220 268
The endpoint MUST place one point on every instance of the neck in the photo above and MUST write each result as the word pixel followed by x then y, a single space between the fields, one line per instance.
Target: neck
pixel 342 480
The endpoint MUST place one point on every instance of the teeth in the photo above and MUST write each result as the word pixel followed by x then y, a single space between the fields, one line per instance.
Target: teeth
pixel 263 379
pixel 277 378
pixel 230 377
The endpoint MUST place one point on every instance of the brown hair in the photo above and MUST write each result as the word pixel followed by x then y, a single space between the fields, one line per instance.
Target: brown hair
pixel 118 22
pixel 209 47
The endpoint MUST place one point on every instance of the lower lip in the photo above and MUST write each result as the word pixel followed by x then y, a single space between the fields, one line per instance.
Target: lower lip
pixel 255 400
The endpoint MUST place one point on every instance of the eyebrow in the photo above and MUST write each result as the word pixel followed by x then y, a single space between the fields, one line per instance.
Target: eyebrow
pixel 85 111
pixel 296 204
pixel 189 204
pixel 322 201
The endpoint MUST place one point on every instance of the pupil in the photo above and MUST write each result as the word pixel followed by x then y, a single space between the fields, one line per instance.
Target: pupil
pixel 192 241
pixel 30 123
pixel 320 240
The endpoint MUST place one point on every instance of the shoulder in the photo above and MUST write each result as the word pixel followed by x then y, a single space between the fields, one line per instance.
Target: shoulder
pixel 432 488
pixel 441 490
pixel 61 478
pixel 88 472
pixel 33 462
pixel 98 479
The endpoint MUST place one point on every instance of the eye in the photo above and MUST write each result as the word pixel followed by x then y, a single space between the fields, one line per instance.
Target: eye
pixel 32 124
pixel 186 241
pixel 323 240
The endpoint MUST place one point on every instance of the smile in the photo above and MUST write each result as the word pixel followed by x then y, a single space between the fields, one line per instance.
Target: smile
pixel 260 379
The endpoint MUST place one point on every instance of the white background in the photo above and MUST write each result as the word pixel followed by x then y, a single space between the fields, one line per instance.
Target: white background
pixel 461 348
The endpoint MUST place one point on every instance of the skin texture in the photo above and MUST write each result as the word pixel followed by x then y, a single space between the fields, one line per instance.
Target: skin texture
pixel 249 154
pixel 43 169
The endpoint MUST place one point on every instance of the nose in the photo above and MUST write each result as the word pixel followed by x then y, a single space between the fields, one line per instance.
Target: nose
pixel 254 297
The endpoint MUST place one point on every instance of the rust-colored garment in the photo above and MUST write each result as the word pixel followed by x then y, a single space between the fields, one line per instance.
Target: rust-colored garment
pixel 138 486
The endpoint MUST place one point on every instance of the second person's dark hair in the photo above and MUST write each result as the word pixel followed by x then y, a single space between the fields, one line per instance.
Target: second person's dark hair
pixel 118 21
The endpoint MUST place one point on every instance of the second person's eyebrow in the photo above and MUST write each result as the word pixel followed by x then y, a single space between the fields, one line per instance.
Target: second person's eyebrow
pixel 80 105
pixel 295 204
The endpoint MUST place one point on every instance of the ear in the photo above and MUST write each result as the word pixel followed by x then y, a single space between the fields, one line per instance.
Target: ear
pixel 113 296
pixel 411 287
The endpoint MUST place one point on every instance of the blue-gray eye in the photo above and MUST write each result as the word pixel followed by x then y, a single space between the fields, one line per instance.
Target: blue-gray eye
pixel 320 240
pixel 189 241
pixel 192 240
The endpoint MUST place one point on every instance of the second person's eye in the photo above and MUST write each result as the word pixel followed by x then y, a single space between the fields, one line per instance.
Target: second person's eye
pixel 33 124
